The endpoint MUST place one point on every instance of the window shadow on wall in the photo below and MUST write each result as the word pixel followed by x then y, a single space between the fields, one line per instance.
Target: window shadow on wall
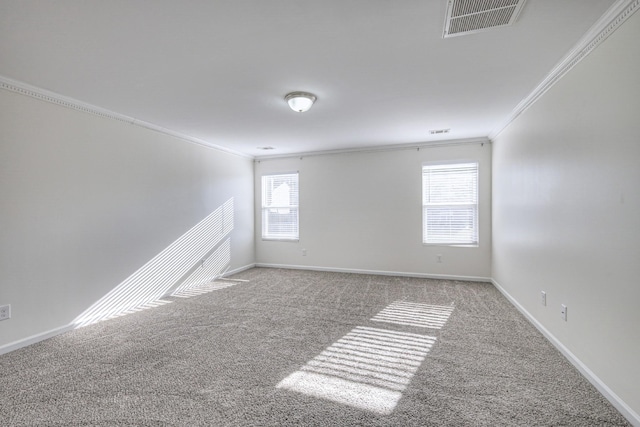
pixel 198 256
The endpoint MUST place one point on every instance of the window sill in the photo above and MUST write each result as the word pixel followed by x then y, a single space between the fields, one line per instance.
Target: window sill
pixel 279 239
pixel 451 245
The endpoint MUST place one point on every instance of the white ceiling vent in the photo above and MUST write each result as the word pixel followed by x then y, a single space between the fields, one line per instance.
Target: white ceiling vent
pixel 439 131
pixel 474 16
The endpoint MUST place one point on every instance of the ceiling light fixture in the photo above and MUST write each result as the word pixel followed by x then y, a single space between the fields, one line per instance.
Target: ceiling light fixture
pixel 300 101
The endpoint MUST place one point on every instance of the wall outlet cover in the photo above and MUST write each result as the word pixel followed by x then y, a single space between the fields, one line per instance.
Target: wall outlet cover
pixel 5 312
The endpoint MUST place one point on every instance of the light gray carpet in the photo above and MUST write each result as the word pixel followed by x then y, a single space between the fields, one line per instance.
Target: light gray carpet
pixel 233 357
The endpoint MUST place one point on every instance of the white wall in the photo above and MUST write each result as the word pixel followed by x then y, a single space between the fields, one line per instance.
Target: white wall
pixel 566 211
pixel 86 201
pixel 363 211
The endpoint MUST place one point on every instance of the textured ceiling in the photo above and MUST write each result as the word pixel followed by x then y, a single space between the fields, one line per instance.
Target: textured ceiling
pixel 218 70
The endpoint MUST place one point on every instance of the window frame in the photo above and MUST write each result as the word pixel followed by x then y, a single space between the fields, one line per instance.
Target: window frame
pixel 476 206
pixel 264 227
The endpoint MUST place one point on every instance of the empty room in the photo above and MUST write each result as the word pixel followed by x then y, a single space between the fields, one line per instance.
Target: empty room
pixel 336 213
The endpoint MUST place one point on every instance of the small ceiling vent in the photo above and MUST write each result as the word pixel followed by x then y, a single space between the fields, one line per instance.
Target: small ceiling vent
pixel 439 131
pixel 474 16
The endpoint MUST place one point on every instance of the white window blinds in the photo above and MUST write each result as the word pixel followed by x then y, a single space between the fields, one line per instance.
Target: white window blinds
pixel 280 206
pixel 450 204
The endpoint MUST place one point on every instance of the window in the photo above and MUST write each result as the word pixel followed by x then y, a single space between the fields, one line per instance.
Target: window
pixel 280 206
pixel 450 204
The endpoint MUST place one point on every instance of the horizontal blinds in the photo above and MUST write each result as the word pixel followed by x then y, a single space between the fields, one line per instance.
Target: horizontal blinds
pixel 280 206
pixel 450 204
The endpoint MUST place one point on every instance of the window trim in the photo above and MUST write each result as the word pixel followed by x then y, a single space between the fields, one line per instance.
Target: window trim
pixel 477 204
pixel 262 208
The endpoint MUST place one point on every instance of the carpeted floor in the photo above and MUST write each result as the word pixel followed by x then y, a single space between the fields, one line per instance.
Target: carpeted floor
pixel 305 348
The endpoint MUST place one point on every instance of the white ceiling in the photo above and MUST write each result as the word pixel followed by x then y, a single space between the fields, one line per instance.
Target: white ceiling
pixel 219 70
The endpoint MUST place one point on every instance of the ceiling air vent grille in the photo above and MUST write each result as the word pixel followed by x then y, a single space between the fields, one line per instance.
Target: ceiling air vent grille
pixel 473 16
pixel 439 131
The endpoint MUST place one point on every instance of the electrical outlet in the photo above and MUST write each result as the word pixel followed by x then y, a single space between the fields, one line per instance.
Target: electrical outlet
pixel 563 312
pixel 543 298
pixel 5 312
pixel 304 252
pixel 438 258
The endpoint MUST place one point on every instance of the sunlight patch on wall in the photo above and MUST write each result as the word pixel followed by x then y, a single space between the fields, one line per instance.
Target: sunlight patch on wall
pixel 154 279
pixel 367 369
pixel 209 270
pixel 414 314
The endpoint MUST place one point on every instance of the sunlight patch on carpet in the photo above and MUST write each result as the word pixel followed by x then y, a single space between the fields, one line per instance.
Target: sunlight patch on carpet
pixel 201 289
pixel 367 369
pixel 142 307
pixel 414 314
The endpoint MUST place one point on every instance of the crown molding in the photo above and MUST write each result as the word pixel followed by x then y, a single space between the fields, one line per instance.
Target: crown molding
pixel 74 104
pixel 617 14
pixel 381 148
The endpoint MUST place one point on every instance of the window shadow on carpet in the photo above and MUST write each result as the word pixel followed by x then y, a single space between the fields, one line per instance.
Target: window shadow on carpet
pixel 369 368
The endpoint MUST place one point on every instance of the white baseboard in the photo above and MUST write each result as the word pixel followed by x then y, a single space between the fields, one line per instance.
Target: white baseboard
pixel 35 338
pixel 618 403
pixel 376 272
pixel 52 333
pixel 238 270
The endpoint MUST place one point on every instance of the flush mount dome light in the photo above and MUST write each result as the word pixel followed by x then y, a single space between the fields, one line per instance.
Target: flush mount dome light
pixel 300 101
